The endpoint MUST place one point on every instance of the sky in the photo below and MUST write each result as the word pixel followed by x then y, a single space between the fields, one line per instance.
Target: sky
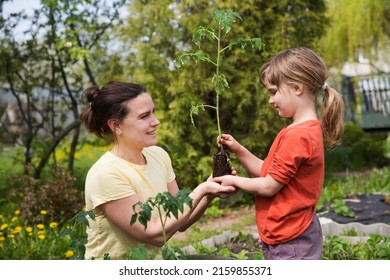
pixel 28 6
pixel 18 5
pixel 15 6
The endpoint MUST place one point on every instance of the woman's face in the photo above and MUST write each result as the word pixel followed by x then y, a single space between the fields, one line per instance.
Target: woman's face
pixel 138 129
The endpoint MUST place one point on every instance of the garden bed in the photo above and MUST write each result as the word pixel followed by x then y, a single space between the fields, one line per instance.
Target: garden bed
pixel 372 213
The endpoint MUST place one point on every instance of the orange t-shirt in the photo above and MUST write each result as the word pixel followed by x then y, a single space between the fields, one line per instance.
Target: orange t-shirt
pixel 296 159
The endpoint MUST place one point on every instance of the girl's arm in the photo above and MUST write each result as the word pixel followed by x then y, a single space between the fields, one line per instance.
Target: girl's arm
pixel 262 186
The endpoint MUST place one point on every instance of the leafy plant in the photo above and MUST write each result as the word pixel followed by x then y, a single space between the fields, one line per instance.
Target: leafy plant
pixel 224 21
pixel 75 229
pixel 377 247
pixel 60 199
pixel 166 205
pixel 340 208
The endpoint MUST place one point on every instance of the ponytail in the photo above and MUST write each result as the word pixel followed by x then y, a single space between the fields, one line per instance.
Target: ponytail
pixel 332 116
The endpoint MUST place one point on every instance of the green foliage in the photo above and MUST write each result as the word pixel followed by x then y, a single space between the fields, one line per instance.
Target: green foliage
pixel 224 21
pixel 214 210
pixel 166 205
pixel 338 188
pixel 358 151
pixel 350 22
pixel 377 247
pixel 75 229
pixel 340 208
pixel 21 240
pixel 157 33
pixel 56 196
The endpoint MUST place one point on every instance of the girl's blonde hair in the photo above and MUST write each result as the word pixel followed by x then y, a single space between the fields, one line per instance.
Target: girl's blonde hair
pixel 303 66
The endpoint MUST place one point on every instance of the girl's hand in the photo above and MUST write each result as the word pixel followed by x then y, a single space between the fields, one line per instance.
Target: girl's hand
pixel 227 180
pixel 228 141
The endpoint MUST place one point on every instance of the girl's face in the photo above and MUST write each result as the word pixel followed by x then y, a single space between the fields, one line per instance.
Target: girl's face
pixel 284 99
pixel 138 129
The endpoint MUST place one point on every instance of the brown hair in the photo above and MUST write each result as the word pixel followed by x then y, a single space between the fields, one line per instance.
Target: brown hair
pixel 108 103
pixel 302 65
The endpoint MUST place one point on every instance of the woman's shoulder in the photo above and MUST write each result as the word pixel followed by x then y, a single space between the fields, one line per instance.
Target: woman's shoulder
pixel 105 162
pixel 155 150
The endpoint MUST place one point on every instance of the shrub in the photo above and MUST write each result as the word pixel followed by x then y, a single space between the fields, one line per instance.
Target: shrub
pixel 359 150
pixel 56 197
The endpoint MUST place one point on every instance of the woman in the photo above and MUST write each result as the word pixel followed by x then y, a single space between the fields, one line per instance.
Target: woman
pixel 132 171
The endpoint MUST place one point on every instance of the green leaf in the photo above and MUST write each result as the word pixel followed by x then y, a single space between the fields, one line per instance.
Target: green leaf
pixel 200 33
pixel 181 60
pixel 220 83
pixel 256 43
pixel 138 253
pixel 225 19
pixel 133 218
pixel 168 253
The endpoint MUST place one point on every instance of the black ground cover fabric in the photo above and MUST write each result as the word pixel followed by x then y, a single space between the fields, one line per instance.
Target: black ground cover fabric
pixel 368 209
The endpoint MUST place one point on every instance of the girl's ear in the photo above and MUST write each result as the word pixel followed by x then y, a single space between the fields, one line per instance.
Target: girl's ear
pixel 114 126
pixel 298 89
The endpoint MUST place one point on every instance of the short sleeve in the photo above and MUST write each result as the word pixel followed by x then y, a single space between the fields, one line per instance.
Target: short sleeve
pixel 106 186
pixel 294 149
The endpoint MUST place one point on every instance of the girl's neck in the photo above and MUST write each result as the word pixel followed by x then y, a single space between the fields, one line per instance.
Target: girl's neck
pixel 308 115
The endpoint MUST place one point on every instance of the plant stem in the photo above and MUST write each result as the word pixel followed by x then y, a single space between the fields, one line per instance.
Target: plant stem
pixel 162 225
pixel 217 91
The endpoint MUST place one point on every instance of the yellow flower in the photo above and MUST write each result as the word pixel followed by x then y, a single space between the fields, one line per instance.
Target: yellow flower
pixel 11 236
pixel 2 238
pixel 53 225
pixel 29 229
pixel 17 212
pixel 43 212
pixel 41 232
pixel 14 219
pixel 41 236
pixel 3 226
pixel 17 229
pixel 40 226
pixel 69 254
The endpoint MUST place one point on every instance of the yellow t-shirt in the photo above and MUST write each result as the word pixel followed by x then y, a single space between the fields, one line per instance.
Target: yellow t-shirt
pixel 112 178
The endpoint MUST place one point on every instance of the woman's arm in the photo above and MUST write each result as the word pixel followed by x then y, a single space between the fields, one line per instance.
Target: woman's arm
pixel 196 212
pixel 120 212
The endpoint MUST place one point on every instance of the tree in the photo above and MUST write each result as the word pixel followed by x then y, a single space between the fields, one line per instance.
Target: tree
pixel 159 31
pixel 357 28
pixel 47 70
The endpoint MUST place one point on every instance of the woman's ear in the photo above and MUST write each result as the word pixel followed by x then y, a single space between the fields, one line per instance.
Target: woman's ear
pixel 114 126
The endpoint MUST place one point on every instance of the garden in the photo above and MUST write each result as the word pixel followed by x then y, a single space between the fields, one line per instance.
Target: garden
pixel 44 219
pixel 204 83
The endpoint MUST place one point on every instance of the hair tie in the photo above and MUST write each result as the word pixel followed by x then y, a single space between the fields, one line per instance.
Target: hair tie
pixel 90 104
pixel 324 86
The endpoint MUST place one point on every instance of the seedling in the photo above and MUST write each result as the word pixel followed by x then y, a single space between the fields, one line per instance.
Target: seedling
pixel 224 21
pixel 166 205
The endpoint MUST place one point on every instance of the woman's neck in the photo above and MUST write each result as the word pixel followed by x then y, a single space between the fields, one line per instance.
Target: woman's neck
pixel 134 156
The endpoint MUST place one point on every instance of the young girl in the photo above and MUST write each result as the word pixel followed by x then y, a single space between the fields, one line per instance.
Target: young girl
pixel 288 182
pixel 132 171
